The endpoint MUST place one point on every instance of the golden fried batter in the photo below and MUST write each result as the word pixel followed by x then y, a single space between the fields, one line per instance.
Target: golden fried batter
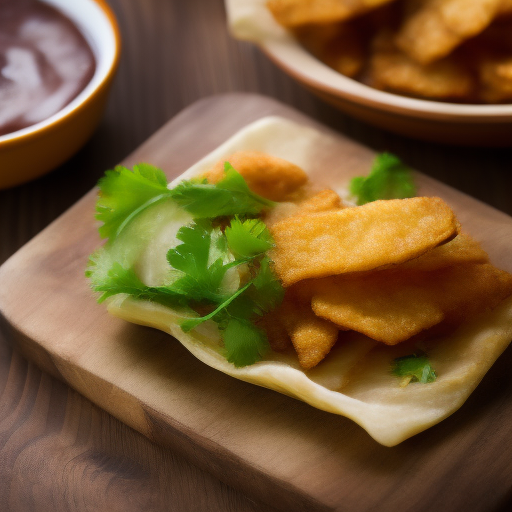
pixel 362 238
pixel 437 27
pixel 270 177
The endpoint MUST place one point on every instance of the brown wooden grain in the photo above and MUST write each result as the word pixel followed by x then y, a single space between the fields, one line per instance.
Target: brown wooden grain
pixel 60 452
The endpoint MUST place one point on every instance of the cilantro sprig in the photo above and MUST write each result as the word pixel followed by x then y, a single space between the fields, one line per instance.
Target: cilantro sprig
pixel 124 280
pixel 223 235
pixel 124 194
pixel 413 368
pixel 230 196
pixel 389 178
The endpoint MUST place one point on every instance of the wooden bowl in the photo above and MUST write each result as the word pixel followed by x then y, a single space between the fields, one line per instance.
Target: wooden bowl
pixel 482 125
pixel 28 153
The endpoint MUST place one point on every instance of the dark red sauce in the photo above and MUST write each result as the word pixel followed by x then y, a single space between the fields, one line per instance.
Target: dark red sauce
pixel 45 62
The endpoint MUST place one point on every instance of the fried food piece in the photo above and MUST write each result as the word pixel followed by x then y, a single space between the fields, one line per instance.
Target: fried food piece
pixel 495 74
pixel 362 238
pixel 490 56
pixel 293 13
pixel 270 177
pixel 312 337
pixel 322 201
pixel 386 306
pixel 437 27
pixel 392 305
pixel 471 290
pixel 392 70
pixel 462 249
pixel 339 45
pixel 505 8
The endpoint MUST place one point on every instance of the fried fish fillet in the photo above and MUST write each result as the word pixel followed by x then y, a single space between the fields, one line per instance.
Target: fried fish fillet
pixel 339 45
pixel 357 239
pixel 436 27
pixel 391 306
pixel 390 69
pixel 270 177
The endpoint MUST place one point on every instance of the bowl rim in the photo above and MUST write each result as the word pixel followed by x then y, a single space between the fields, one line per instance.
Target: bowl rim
pixel 95 85
pixel 287 53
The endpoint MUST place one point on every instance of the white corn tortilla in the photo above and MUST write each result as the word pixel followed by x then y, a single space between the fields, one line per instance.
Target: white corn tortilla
pixel 354 380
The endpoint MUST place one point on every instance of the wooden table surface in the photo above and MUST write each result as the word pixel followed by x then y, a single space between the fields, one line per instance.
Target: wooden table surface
pixel 57 450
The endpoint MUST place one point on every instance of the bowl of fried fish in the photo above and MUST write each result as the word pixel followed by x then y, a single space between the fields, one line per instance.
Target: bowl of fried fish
pixel 438 70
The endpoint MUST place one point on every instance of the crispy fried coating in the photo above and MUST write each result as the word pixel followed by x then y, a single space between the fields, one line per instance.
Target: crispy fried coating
pixel 270 177
pixel 293 13
pixel 472 290
pixel 358 239
pixel 386 306
pixel 505 8
pixel 322 201
pixel 392 305
pixel 462 249
pixel 495 74
pixel 339 45
pixel 392 70
pixel 435 28
pixel 312 337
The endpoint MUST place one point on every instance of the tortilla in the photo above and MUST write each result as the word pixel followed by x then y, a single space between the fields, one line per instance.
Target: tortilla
pixel 354 380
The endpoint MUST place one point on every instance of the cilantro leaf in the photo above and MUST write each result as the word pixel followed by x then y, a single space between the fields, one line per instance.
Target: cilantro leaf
pixel 414 368
pixel 248 238
pixel 267 292
pixel 125 280
pixel 389 178
pixel 244 342
pixel 123 192
pixel 200 279
pixel 189 324
pixel 230 196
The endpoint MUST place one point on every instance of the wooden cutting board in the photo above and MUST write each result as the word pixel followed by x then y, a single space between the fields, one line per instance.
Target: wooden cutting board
pixel 283 451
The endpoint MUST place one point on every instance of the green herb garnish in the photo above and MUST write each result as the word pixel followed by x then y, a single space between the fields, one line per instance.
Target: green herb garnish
pixel 389 178
pixel 248 238
pixel 198 266
pixel 413 368
pixel 124 280
pixel 230 196
pixel 124 194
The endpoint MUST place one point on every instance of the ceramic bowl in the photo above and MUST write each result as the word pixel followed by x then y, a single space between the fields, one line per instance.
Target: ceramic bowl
pixel 28 153
pixel 483 125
